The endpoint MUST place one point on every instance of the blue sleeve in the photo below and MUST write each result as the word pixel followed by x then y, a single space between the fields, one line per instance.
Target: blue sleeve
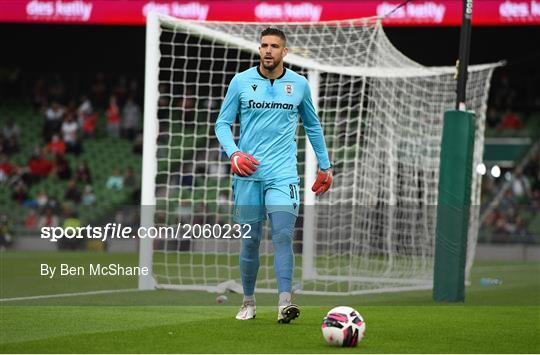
pixel 313 129
pixel 226 118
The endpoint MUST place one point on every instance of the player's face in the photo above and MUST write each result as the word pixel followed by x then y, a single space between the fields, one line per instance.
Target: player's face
pixel 272 51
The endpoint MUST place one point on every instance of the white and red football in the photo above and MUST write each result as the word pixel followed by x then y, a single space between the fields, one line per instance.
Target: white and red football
pixel 343 326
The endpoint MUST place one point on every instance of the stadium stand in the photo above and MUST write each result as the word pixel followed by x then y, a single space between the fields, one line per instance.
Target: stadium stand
pixel 42 200
pixel 511 203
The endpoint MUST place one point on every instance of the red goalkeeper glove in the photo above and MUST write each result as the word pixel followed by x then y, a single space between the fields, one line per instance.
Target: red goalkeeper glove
pixel 243 164
pixel 323 182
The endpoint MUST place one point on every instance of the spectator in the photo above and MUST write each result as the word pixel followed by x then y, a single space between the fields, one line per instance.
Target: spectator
pixel 6 234
pixel 88 197
pixel 500 224
pixel 510 120
pixel 53 120
pixel 138 144
pixel 201 162
pixel 224 199
pixel 535 199
pixel 49 219
pixel 164 132
pixel 56 146
pixel 89 126
pixel 20 193
pixel 521 188
pixel 492 118
pixel 31 219
pixel 42 199
pixel 11 129
pixel 507 201
pixel 115 181
pixel 113 118
pixel 187 177
pixel 72 221
pixel 218 170
pixel 11 134
pixel 532 169
pixel 131 115
pixel 70 131
pixel 7 169
pixel 82 174
pixel 187 107
pixel 130 180
pixel 73 193
pixel 164 94
pixel 62 168
pixel 535 186
pixel 215 156
pixel 39 167
pixel 9 146
pixel 223 206
pixel 505 93
pixel 87 119
pixel 53 205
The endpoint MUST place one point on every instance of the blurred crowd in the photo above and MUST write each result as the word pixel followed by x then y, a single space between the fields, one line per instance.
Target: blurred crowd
pixel 514 96
pixel 58 148
pixel 71 117
pixel 511 218
pixel 513 111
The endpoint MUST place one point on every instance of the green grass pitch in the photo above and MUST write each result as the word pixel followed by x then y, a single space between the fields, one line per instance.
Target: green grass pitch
pixel 494 319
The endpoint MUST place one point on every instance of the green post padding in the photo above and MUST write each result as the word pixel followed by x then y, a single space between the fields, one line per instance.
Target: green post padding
pixel 453 206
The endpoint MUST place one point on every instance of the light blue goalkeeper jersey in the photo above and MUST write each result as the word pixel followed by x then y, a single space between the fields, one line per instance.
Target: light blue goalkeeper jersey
pixel 268 111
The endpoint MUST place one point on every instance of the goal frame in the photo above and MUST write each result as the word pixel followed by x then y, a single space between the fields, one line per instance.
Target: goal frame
pixel 149 166
pixel 150 133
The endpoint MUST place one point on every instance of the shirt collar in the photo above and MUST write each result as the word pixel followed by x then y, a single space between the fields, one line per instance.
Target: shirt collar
pixel 262 75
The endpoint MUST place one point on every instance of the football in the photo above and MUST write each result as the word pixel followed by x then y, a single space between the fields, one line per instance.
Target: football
pixel 343 326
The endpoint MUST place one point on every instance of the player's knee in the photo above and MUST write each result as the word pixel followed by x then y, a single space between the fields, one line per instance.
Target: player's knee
pixel 251 244
pixel 282 235
pixel 282 227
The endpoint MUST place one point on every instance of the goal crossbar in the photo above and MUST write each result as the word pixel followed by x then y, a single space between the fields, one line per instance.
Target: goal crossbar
pixel 300 61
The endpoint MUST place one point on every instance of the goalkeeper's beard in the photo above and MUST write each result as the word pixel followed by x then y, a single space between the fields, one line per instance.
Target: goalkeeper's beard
pixel 270 68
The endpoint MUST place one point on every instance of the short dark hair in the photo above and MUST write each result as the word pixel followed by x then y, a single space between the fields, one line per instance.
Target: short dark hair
pixel 272 31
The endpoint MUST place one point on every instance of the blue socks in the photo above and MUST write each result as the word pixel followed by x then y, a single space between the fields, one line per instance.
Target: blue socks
pixel 282 228
pixel 282 234
pixel 249 259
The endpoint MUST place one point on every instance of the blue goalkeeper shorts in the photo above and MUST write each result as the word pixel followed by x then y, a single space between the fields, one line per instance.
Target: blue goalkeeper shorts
pixel 254 199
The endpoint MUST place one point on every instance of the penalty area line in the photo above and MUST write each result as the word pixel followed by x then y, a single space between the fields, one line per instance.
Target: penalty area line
pixel 73 294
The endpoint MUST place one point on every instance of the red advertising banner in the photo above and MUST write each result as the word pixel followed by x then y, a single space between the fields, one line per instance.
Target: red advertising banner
pixel 133 12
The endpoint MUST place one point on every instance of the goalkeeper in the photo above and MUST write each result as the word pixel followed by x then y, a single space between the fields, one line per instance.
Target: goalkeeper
pixel 268 99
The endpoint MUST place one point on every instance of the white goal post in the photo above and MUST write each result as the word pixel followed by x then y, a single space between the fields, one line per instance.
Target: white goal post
pixel 382 117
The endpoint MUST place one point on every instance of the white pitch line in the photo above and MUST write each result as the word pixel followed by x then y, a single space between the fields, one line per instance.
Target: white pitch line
pixel 67 295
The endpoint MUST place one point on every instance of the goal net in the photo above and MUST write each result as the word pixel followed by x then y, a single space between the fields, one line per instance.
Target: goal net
pixel 382 117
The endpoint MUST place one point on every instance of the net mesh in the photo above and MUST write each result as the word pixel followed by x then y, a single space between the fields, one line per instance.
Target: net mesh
pixel 382 117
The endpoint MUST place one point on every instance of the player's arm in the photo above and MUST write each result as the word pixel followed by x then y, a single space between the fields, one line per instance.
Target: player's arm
pixel 226 118
pixel 314 131
pixel 243 164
